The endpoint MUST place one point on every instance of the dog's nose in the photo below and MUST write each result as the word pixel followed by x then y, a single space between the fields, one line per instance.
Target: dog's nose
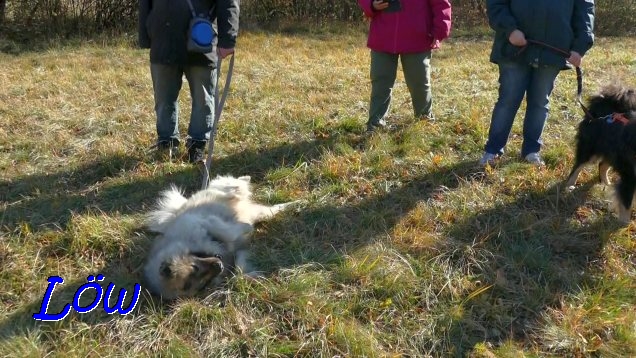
pixel 215 264
pixel 208 264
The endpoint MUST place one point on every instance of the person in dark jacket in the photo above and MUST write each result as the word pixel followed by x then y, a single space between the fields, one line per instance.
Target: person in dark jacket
pixel 534 41
pixel 407 30
pixel 163 28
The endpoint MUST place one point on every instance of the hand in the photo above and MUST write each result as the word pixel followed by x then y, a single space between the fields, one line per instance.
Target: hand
pixel 517 38
pixel 379 5
pixel 435 45
pixel 225 52
pixel 575 59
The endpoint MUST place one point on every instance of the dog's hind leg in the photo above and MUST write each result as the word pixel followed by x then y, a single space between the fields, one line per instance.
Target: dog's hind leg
pixel 624 211
pixel 574 174
pixel 584 155
pixel 581 161
pixel 257 213
pixel 625 189
pixel 603 169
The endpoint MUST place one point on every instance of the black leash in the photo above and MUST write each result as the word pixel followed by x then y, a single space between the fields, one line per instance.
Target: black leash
pixel 579 74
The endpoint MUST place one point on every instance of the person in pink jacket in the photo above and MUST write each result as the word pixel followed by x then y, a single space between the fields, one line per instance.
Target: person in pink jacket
pixel 407 30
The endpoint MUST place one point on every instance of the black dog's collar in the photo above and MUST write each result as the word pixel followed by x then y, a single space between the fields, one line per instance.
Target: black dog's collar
pixel 616 117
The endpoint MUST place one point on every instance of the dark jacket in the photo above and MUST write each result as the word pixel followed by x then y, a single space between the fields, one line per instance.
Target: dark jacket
pixel 163 28
pixel 564 24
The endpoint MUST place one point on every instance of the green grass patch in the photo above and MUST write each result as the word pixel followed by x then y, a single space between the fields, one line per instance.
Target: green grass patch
pixel 402 246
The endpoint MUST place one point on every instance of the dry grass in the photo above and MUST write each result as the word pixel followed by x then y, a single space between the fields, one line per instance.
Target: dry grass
pixel 404 248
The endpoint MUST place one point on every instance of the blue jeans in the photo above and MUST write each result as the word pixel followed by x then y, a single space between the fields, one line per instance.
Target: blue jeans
pixel 515 81
pixel 166 83
pixel 417 75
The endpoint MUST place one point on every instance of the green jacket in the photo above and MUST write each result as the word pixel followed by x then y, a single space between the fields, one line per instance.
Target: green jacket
pixel 163 28
pixel 564 24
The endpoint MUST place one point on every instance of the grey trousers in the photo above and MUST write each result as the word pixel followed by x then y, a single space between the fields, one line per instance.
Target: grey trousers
pixel 417 74
pixel 166 83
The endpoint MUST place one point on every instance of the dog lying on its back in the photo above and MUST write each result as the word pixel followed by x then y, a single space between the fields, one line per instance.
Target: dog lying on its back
pixel 202 238
pixel 608 134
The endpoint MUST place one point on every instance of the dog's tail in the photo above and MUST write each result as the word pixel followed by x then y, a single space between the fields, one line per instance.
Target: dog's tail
pixel 168 204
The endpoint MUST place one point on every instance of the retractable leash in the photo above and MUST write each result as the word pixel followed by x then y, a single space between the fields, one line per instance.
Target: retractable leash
pixel 218 108
pixel 200 40
pixel 194 13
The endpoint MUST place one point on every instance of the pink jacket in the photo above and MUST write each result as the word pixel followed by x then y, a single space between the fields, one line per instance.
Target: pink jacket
pixel 409 30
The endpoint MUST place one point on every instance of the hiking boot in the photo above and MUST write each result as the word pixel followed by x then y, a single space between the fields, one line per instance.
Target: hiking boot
pixel 488 159
pixel 196 151
pixel 535 159
pixel 167 149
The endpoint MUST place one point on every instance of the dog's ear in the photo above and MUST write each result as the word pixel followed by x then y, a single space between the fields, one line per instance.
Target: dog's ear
pixel 245 178
pixel 165 270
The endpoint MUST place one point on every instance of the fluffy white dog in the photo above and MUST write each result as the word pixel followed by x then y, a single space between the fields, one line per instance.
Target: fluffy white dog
pixel 202 238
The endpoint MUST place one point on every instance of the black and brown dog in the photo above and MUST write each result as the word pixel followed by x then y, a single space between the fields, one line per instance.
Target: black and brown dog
pixel 608 134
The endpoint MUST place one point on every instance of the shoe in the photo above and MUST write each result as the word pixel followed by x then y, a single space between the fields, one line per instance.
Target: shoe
pixel 167 149
pixel 535 159
pixel 427 117
pixel 488 159
pixel 374 125
pixel 196 151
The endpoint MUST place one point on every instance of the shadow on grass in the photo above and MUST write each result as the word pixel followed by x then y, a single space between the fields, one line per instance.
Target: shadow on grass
pixel 534 251
pixel 322 234
pixel 529 249
pixel 48 201
pixel 45 201
pixel 530 254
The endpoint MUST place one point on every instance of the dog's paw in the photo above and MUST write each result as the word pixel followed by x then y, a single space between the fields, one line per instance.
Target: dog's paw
pixel 275 209
pixel 624 218
pixel 287 205
pixel 254 275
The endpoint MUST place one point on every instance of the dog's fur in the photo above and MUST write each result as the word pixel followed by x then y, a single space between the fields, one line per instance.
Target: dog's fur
pixel 202 238
pixel 612 144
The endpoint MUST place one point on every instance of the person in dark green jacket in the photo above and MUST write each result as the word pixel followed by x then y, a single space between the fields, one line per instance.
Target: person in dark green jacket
pixel 534 41
pixel 163 28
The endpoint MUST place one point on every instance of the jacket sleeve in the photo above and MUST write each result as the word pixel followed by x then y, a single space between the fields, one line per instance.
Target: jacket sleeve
pixel 441 19
pixel 500 18
pixel 142 32
pixel 367 7
pixel 583 26
pixel 227 19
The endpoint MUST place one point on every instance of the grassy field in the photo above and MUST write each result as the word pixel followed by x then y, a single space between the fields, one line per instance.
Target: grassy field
pixel 404 247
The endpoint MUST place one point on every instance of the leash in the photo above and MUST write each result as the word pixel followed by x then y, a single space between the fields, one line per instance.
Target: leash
pixel 218 108
pixel 193 12
pixel 579 74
